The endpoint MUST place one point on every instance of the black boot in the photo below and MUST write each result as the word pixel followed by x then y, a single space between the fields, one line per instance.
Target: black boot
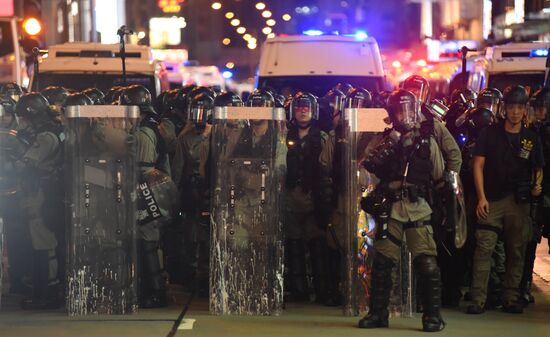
pixel 430 278
pixel 296 276
pixel 318 255
pixel 381 285
pixel 153 290
pixel 45 290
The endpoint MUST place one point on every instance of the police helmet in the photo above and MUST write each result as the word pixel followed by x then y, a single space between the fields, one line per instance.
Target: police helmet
pixel 333 103
pixel 97 96
pixel 136 95
pixel 380 99
pixel 34 107
pixel 479 118
pixel 200 108
pixel 279 100
pixel 403 109
pixel 261 98
pixel 541 98
pixel 7 104
pixel 466 95
pixel 200 90
pixel 113 94
pixel 55 95
pixel 12 90
pixel 419 86
pixel 358 98
pixel 78 99
pixel 228 99
pixel 346 88
pixel 304 102
pixel 490 98
pixel 516 94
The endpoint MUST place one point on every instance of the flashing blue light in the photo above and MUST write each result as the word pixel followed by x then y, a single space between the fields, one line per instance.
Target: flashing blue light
pixel 361 35
pixel 227 74
pixel 539 53
pixel 313 32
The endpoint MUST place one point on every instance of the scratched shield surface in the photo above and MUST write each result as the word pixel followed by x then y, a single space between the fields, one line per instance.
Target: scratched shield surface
pixel 249 165
pixel 361 133
pixel 101 210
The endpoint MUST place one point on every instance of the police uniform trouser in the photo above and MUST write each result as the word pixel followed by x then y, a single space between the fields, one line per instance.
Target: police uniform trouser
pixel 419 238
pixel 43 241
pixel 512 220
pixel 300 221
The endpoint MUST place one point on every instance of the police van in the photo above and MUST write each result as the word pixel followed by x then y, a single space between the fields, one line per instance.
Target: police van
pixel 511 64
pixel 83 65
pixel 317 63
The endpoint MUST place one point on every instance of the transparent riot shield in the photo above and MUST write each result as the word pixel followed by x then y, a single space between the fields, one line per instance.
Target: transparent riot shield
pixel 100 159
pixel 362 131
pixel 248 171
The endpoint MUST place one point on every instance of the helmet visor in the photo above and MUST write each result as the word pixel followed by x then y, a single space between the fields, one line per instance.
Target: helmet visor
pixel 303 109
pixel 200 114
pixel 405 114
pixel 492 103
pixel 419 89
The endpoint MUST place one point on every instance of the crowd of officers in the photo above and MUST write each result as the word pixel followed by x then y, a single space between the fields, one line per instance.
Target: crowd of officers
pixel 497 142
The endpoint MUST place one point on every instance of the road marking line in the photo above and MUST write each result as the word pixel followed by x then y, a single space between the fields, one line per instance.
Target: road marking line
pixel 187 324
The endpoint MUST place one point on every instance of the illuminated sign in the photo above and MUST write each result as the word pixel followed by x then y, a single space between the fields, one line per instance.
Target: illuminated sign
pixel 170 6
pixel 6 8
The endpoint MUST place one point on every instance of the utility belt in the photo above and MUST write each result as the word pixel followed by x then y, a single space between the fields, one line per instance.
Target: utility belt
pixel 411 193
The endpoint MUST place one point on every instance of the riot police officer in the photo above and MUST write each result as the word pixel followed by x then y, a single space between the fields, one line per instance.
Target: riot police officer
pixel 41 162
pixel 330 109
pixel 407 162
pixel 190 177
pixel 308 199
pixel 152 160
pixel 15 229
pixel 506 157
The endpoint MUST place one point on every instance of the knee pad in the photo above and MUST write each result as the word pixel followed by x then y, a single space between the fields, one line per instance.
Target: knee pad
pixel 426 264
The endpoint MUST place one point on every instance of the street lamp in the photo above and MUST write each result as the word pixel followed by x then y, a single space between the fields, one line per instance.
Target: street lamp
pixel 216 5
pixel 260 6
pixel 266 14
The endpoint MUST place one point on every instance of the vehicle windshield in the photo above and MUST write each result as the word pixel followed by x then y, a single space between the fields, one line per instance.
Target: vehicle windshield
pixel 102 81
pixel 501 81
pixel 318 85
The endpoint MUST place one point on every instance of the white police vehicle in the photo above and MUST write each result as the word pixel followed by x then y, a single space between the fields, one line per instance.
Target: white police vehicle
pixel 315 63
pixel 511 64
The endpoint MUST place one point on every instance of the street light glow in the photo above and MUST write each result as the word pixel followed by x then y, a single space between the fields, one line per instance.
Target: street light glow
pixel 230 65
pixel 267 30
pixel 251 46
pixel 226 41
pixel 287 17
pixel 266 14
pixel 241 30
pixel 235 22
pixel 271 22
pixel 396 64
pixel 216 5
pixel 247 37
pixel 270 36
pixel 229 15
pixel 260 6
